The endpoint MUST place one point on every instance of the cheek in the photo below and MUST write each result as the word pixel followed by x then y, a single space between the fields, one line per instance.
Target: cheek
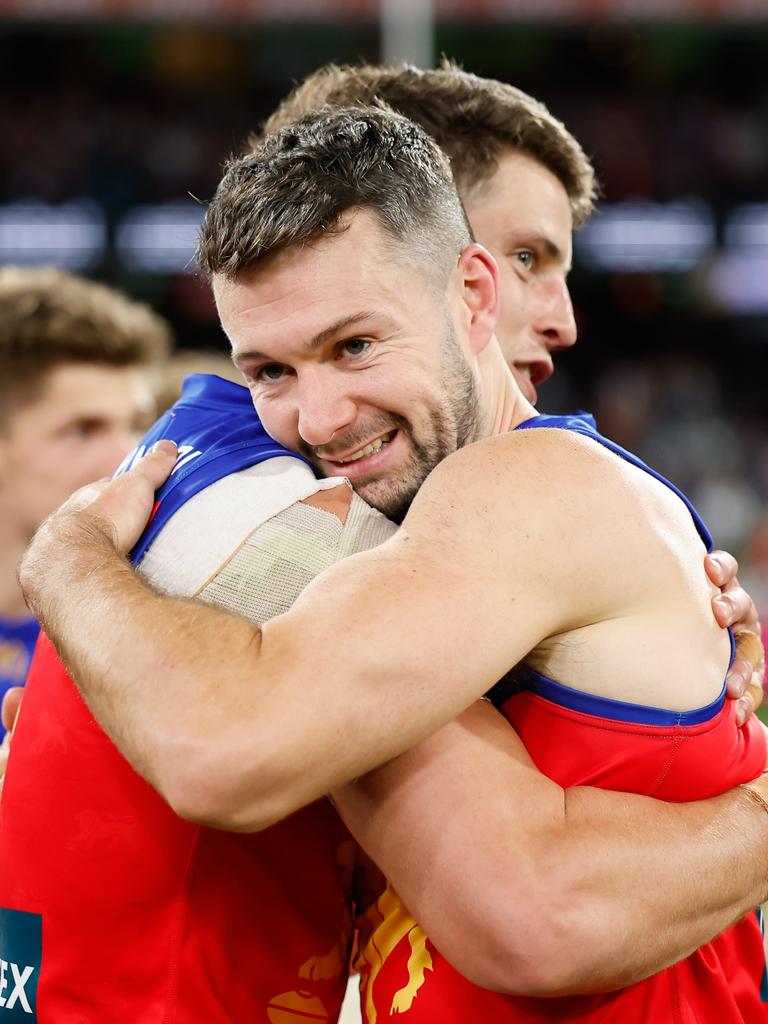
pixel 513 293
pixel 514 316
pixel 278 422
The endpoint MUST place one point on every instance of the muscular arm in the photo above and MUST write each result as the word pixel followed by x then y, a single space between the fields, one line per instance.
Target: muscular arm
pixel 239 726
pixel 526 887
pixel 166 676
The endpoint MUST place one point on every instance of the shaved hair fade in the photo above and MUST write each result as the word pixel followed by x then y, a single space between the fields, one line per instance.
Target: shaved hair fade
pixel 297 184
pixel 473 120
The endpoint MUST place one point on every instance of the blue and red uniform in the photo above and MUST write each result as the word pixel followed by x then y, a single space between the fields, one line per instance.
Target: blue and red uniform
pixel 579 739
pixel 114 910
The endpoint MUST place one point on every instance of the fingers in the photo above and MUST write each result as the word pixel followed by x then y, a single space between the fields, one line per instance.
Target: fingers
pixel 11 705
pixel 746 677
pixel 158 462
pixel 10 712
pixel 85 496
pixel 721 568
pixel 5 749
pixel 748 703
pixel 732 606
pixel 155 467
pixel 122 509
pixel 749 647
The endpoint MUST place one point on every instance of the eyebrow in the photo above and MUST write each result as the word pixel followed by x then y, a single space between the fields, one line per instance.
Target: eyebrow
pixel 552 250
pixel 354 319
pixel 319 339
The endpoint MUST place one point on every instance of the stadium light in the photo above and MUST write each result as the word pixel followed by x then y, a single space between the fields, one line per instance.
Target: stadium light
pixel 72 235
pixel 160 239
pixel 643 236
pixel 738 278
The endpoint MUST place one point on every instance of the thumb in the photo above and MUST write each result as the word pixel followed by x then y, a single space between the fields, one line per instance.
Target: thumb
pixel 157 464
pixel 11 705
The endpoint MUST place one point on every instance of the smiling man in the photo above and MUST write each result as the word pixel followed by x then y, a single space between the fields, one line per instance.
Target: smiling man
pixel 524 181
pixel 363 315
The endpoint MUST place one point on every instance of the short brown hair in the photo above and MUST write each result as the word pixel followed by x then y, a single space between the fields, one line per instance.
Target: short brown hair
pixel 49 317
pixel 472 119
pixel 298 183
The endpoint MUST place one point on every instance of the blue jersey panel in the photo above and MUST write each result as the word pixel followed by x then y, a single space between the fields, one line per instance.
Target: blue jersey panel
pixel 217 433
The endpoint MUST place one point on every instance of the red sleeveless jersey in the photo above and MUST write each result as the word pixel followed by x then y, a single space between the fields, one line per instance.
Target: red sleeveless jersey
pixel 675 760
pixel 578 739
pixel 115 911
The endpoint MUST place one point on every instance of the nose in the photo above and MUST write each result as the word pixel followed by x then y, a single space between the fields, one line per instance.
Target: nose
pixel 325 407
pixel 557 324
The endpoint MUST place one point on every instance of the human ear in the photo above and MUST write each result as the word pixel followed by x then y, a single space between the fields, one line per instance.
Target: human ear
pixel 480 292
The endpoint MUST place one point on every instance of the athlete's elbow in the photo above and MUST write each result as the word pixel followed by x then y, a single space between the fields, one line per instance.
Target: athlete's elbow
pixel 230 793
pixel 539 948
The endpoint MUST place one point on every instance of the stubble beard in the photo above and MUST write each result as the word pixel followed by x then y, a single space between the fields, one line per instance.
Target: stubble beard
pixel 452 425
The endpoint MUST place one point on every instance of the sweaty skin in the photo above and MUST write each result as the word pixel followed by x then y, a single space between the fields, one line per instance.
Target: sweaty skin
pixel 235 740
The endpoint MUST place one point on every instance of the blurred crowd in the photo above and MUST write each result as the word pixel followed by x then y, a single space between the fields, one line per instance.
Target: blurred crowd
pixel 65 140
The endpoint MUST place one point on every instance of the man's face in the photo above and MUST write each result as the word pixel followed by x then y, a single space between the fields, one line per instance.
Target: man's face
pixel 78 429
pixel 353 358
pixel 522 216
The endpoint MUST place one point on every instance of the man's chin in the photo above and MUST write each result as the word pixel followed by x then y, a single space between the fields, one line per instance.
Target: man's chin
pixel 393 502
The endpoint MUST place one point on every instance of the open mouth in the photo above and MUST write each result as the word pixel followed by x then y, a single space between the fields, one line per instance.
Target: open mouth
pixel 370 449
pixel 529 375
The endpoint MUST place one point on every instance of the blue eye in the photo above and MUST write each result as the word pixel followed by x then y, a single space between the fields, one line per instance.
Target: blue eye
pixel 526 257
pixel 270 372
pixel 355 346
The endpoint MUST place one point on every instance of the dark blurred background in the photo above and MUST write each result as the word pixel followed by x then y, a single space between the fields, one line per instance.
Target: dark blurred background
pixel 115 117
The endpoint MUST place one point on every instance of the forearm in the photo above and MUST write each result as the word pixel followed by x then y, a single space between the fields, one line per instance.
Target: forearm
pixel 647 883
pixel 526 887
pixel 238 727
pixel 232 729
pixel 148 666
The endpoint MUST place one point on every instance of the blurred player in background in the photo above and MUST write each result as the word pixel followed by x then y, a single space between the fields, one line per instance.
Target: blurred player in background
pixel 74 390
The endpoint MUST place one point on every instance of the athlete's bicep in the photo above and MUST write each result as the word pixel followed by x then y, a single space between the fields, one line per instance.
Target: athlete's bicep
pixel 457 824
pixel 389 645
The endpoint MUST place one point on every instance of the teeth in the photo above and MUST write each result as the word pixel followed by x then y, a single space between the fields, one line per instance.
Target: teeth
pixel 370 449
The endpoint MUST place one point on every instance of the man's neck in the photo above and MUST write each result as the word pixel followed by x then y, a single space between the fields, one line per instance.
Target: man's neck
pixel 507 406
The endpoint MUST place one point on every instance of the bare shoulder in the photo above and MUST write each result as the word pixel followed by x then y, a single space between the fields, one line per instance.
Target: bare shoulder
pixel 519 474
pixel 542 509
